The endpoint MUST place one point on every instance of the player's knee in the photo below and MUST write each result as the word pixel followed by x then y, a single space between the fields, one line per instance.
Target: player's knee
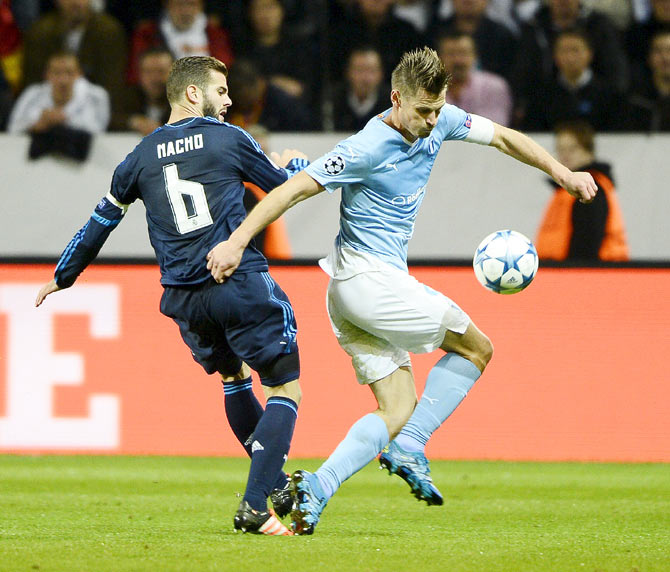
pixel 280 377
pixel 291 390
pixel 486 352
pixel 480 355
pixel 230 377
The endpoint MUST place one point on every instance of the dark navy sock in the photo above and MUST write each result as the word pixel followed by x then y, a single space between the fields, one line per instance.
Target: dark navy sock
pixel 269 449
pixel 244 411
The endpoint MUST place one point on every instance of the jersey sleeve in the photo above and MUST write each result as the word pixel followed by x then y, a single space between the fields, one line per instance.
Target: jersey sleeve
pixel 86 244
pixel 454 123
pixel 459 125
pixel 124 181
pixel 348 163
pixel 256 167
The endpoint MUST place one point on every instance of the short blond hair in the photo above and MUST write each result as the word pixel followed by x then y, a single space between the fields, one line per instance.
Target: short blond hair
pixel 420 69
pixel 192 70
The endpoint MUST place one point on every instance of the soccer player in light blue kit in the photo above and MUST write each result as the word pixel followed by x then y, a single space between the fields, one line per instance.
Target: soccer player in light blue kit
pixel 378 311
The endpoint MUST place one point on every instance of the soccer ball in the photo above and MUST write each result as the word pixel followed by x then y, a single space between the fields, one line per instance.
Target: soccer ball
pixel 505 262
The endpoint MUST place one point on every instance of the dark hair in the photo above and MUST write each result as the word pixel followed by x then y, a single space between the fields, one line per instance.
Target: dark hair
pixel 580 130
pixel 420 69
pixel 192 70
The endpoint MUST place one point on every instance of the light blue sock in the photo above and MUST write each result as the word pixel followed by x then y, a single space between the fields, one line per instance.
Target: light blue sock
pixel 447 385
pixel 365 440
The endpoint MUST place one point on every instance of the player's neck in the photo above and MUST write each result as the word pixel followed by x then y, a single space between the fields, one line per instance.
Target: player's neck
pixel 180 112
pixel 392 120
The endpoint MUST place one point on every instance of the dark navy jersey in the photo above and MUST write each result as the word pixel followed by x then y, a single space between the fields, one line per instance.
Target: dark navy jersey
pixel 190 177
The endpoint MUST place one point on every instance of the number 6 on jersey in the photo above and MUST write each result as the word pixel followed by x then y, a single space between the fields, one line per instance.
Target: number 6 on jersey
pixel 187 200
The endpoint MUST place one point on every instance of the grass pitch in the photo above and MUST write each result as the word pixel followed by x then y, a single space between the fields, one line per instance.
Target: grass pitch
pixel 166 514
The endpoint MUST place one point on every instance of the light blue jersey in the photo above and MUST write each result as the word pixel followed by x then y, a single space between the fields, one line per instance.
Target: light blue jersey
pixel 383 179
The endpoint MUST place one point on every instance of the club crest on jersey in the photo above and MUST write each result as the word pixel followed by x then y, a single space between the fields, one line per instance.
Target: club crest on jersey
pixel 334 165
pixel 468 121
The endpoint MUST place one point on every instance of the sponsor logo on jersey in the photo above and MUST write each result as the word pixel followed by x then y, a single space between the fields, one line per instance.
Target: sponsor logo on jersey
pixel 468 121
pixel 334 165
pixel 402 200
pixel 179 146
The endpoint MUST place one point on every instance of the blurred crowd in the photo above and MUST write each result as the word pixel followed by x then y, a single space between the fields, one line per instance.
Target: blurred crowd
pixel 80 67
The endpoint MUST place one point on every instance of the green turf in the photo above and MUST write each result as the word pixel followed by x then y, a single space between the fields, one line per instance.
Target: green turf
pixel 163 514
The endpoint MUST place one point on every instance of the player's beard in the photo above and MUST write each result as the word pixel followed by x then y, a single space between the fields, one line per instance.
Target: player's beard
pixel 208 108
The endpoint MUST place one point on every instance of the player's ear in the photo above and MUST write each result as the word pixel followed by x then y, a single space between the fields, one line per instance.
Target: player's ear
pixel 193 94
pixel 395 98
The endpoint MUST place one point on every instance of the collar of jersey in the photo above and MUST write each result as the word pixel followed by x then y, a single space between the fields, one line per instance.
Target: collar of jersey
pixel 381 118
pixel 182 122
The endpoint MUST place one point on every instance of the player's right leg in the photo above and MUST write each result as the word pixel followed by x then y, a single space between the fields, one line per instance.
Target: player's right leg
pixel 387 370
pixel 396 397
pixel 407 314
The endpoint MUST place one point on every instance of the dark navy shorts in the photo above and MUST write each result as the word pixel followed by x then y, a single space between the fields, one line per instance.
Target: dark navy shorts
pixel 247 318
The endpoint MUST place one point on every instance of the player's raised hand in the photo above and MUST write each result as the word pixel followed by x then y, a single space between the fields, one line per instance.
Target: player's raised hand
pixel 223 260
pixel 581 186
pixel 48 288
pixel 286 156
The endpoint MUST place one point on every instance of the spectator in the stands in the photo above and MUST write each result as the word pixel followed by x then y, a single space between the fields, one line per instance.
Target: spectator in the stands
pixel 639 35
pixel 184 30
pixel 650 98
pixel 535 62
pixel 289 61
pixel 363 92
pixel 476 91
pixel 97 38
pixel 419 13
pixel 577 92
pixel 256 100
pixel 146 106
pixel 62 113
pixel 571 230
pixel 66 97
pixel 368 22
pixel 495 43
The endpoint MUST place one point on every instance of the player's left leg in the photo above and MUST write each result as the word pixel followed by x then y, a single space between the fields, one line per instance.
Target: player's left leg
pixel 270 444
pixel 260 328
pixel 244 411
pixel 447 385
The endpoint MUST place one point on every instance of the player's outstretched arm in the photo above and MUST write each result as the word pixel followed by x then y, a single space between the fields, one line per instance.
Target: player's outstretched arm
pixel 84 246
pixel 521 147
pixel 225 257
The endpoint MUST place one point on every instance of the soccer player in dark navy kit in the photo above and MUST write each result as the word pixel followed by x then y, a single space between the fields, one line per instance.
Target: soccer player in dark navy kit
pixel 189 173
